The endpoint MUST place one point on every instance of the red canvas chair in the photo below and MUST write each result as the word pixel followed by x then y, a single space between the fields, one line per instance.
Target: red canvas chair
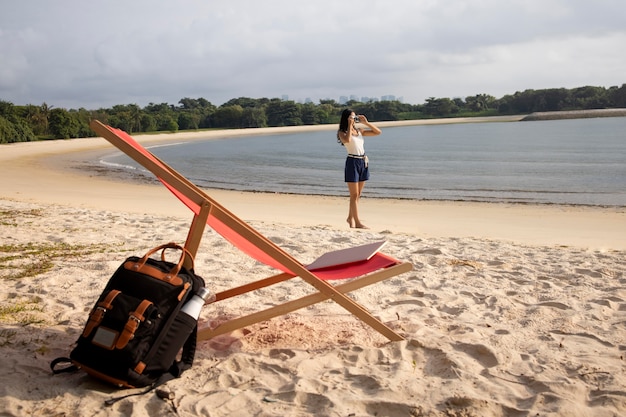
pixel 365 264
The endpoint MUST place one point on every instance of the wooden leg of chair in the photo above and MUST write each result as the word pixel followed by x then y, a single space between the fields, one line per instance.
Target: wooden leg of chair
pixel 238 323
pixel 194 236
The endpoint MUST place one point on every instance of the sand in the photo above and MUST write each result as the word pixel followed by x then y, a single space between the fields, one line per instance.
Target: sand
pixel 510 310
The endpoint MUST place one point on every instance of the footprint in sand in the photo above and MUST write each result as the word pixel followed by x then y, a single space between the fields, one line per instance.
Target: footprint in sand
pixel 465 406
pixel 554 304
pixel 281 354
pixel 589 272
pixel 480 353
pixel 583 335
pixel 439 364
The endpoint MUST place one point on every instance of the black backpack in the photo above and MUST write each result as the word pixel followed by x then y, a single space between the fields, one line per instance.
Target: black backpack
pixel 136 328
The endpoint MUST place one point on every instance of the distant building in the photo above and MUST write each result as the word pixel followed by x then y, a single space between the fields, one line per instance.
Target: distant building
pixel 343 100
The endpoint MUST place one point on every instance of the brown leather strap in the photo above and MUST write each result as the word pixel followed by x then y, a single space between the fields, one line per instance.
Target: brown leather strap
pixel 184 291
pixel 97 314
pixel 134 320
pixel 140 368
pixel 154 272
pixel 170 276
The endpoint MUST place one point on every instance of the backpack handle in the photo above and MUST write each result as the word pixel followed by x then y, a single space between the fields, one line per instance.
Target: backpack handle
pixel 171 245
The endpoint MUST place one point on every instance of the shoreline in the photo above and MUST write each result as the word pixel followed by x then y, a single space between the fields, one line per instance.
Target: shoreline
pixel 574 114
pixel 59 182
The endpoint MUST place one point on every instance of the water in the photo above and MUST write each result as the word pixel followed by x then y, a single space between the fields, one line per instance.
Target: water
pixel 580 161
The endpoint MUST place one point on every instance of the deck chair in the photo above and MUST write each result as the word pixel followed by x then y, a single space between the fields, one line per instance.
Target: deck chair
pixel 364 264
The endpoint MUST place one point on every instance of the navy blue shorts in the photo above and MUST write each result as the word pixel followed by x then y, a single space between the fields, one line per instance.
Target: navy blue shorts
pixel 356 170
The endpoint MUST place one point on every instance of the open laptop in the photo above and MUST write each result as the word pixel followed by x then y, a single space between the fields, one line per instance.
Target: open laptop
pixel 347 256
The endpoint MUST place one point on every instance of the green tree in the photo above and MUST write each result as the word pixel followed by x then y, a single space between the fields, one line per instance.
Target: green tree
pixel 7 131
pixel 520 102
pixel 135 114
pixel 368 109
pixel 63 125
pixel 245 102
pixel 283 113
pixel 189 119
pixel 310 116
pixel 617 96
pixel 148 123
pixel 253 117
pixel 189 103
pixel 165 116
pixel 166 122
pixel 480 102
pixel 162 108
pixel 82 117
pixel 587 98
pixel 326 112
pixel 440 107
pixel 228 116
pixel 17 127
pixel 553 99
pixel 386 110
pixel 14 129
pixel 6 108
pixel 126 117
pixel 37 117
pixel 194 113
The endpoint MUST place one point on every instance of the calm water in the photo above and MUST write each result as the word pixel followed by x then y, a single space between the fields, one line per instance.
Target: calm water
pixel 579 161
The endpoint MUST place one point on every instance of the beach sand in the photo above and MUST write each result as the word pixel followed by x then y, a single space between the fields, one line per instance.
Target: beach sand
pixel 510 310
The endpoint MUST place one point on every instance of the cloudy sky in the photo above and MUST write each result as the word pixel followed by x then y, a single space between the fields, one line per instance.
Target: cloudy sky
pixel 77 53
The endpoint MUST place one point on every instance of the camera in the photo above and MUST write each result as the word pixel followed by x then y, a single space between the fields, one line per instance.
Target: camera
pixel 356 119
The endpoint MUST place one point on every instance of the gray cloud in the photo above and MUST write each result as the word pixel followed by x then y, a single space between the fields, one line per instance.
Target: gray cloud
pixel 73 54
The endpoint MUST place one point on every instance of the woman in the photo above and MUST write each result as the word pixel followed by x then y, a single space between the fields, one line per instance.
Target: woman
pixel 357 170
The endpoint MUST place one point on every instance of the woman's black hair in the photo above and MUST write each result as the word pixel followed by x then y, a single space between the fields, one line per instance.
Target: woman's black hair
pixel 343 123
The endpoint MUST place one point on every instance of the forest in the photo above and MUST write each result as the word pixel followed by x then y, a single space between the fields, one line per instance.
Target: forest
pixel 20 123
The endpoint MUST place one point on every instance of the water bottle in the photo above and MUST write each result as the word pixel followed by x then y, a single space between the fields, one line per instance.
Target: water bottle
pixel 184 323
pixel 193 307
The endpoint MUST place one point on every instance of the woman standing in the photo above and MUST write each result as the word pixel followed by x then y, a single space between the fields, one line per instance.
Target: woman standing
pixel 357 170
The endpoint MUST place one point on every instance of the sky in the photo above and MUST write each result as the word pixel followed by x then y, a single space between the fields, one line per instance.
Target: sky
pixel 79 54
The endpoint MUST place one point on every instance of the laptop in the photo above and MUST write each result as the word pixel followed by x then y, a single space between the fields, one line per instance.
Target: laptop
pixel 347 256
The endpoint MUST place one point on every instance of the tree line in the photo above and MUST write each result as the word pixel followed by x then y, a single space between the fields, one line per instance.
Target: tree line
pixel 19 123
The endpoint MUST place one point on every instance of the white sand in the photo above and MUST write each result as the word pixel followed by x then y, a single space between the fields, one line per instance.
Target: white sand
pixel 511 310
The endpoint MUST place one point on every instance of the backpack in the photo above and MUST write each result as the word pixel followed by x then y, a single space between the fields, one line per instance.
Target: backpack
pixel 136 328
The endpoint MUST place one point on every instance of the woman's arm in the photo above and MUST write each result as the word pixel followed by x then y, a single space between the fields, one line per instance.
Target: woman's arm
pixel 371 130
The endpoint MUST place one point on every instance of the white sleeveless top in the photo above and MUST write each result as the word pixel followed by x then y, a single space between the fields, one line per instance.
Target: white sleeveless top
pixel 355 146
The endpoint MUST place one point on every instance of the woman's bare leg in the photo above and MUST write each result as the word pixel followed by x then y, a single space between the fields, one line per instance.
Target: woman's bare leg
pixel 355 189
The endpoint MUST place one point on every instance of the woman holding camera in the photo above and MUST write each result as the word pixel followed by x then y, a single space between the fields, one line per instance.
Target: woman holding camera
pixel 356 170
